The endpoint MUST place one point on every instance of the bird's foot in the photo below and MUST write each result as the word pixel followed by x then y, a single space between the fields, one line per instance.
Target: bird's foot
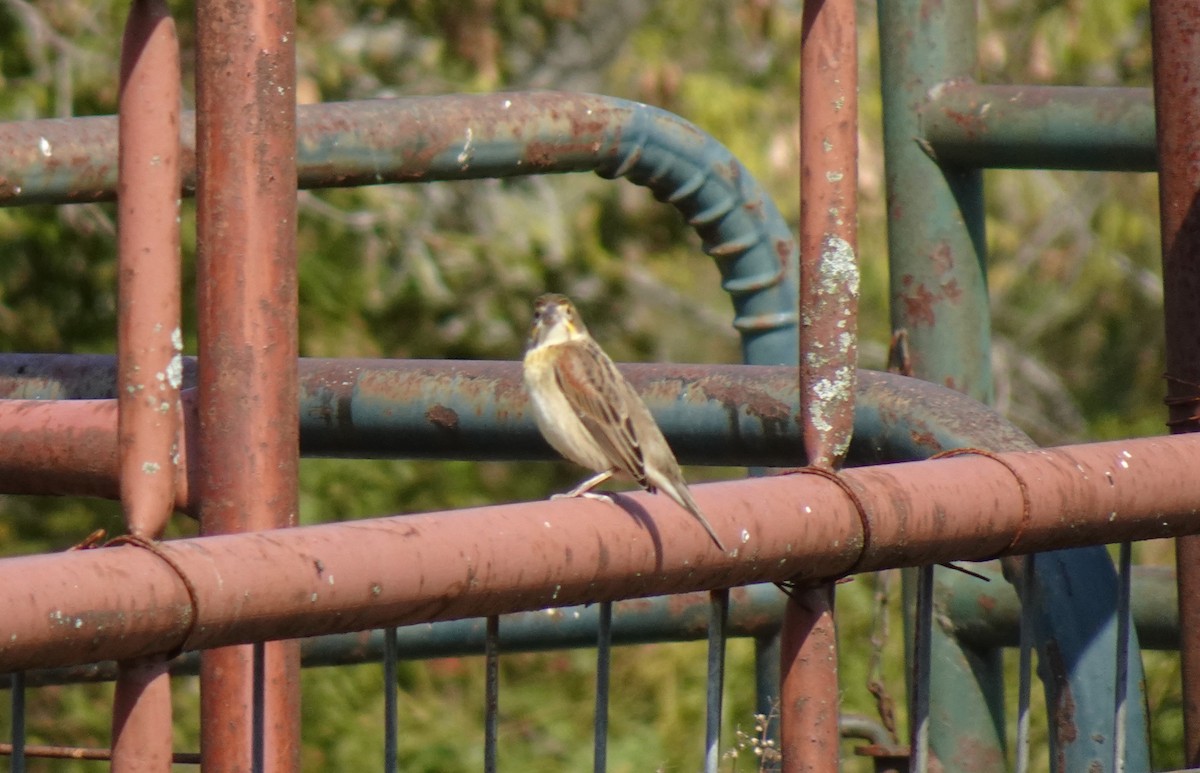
pixel 602 496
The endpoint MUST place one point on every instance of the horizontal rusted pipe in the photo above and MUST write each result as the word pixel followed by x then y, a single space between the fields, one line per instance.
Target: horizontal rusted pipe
pixel 126 601
pixel 754 611
pixel 724 414
pixel 69 447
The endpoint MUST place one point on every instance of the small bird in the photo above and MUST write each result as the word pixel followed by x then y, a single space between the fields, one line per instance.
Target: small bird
pixel 590 414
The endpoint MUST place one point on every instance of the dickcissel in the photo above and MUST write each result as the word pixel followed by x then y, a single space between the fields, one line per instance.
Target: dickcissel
pixel 590 414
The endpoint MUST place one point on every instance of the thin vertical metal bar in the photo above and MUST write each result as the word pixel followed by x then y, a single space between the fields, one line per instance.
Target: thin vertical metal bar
pixel 718 620
pixel 1124 622
pixel 248 445
pixel 1025 663
pixel 491 721
pixel 391 700
pixel 258 712
pixel 17 697
pixel 766 680
pixel 603 678
pixel 1175 33
pixel 922 666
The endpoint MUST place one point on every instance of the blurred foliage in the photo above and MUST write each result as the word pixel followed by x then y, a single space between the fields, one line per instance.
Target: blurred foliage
pixel 449 270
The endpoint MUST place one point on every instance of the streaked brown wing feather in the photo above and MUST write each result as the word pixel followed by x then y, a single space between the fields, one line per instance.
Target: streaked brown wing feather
pixel 596 391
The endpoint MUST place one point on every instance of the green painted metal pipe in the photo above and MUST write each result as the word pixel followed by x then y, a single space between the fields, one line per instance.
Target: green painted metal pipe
pixel 987 614
pixel 458 409
pixel 939 299
pixel 968 124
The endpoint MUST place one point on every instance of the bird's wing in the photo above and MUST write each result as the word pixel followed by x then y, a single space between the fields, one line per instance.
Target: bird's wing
pixel 597 392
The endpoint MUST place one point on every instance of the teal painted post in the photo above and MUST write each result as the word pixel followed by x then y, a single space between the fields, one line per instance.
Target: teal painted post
pixel 939 296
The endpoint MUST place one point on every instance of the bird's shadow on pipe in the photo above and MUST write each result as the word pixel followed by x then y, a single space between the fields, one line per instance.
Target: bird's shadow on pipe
pixel 639 514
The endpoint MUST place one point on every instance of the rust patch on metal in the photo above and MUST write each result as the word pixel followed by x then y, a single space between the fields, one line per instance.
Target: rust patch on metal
pixel 918 304
pixel 1062 712
pixel 442 417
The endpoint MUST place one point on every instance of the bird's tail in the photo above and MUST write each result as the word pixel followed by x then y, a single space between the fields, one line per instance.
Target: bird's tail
pixel 683 497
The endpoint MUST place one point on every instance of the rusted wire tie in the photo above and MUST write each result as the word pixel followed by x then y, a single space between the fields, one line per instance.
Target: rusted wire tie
pixel 193 595
pixel 1026 502
pixel 863 518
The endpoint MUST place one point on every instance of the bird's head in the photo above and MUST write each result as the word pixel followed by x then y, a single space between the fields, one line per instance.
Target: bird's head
pixel 555 321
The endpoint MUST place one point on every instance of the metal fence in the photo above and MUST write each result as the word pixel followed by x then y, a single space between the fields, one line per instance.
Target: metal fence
pixel 218 437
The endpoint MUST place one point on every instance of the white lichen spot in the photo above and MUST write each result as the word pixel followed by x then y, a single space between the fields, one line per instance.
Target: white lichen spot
pixel 375 589
pixel 834 176
pixel 554 595
pixel 546 524
pixel 745 535
pixel 507 104
pixel 175 371
pixel 78 623
pixel 1126 454
pixel 1124 464
pixel 330 580
pixel 313 598
pixel 1112 516
pixel 468 150
pixel 44 147
pixel 826 145
pixel 177 339
pixel 151 468
pixel 839 267
pixel 807 510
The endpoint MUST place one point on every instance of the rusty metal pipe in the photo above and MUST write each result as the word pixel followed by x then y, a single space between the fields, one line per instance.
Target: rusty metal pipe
pixel 248 438
pixel 125 602
pixel 755 612
pixel 149 342
pixel 142 730
pixel 828 354
pixel 477 136
pixel 149 345
pixel 1175 28
pixel 730 414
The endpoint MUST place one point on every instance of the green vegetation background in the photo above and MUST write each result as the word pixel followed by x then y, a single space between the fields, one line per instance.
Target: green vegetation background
pixel 449 270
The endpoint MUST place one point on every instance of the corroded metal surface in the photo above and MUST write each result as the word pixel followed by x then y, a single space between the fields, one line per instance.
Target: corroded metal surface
pixel 476 136
pixel 248 439
pixel 728 414
pixel 1176 31
pixel 809 693
pixel 370 407
pixel 126 601
pixel 1040 127
pixel 149 346
pixel 149 340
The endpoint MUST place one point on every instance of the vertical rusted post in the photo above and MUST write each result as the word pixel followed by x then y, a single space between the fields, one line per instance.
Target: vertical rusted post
pixel 828 346
pixel 808 708
pixel 1175 26
pixel 246 304
pixel 142 717
pixel 149 343
pixel 149 361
